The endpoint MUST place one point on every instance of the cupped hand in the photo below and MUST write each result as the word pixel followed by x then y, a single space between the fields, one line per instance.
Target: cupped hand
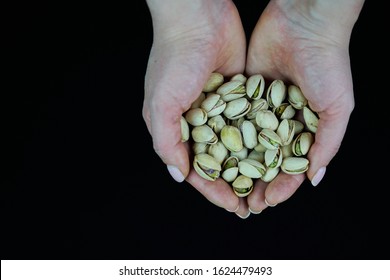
pixel 306 43
pixel 191 40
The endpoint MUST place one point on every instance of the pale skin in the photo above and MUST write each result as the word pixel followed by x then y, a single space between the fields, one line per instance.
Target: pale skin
pixel 303 42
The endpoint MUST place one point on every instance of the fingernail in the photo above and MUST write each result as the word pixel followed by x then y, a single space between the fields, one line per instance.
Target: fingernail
pixel 254 212
pixel 238 206
pixel 175 173
pixel 318 177
pixel 269 204
pixel 243 217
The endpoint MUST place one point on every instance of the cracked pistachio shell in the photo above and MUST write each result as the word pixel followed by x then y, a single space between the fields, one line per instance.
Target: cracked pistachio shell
pixel 241 154
pixel 249 134
pixel 255 155
pixel 287 150
pixel 295 165
pixel 218 151
pixel 298 127
pixel 302 143
pixel 269 139
pixel 185 130
pixel 251 168
pixel 236 122
pixel 213 105
pixel 267 119
pixel 285 131
pixel 214 82
pixel 273 158
pixel 258 128
pixel 216 123
pixel 198 101
pixel 204 134
pixel 242 186
pixel 230 169
pixel 260 148
pixel 237 108
pixel 240 78
pixel 231 138
pixel 276 93
pixel 196 116
pixel 270 174
pixel 231 90
pixel 284 111
pixel 200 148
pixel 311 120
pixel 207 167
pixel 257 105
pixel 295 97
pixel 255 86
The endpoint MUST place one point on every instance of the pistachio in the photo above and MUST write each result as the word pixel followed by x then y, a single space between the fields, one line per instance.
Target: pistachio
pixel 198 101
pixel 200 148
pixel 285 131
pixel 295 165
pixel 311 120
pixel 218 151
pixel 204 134
pixel 207 167
pixel 231 138
pixel 258 156
pixel 213 105
pixel 302 143
pixel 287 150
pixel 230 169
pixel 298 127
pixel 237 108
pixel 240 78
pixel 255 86
pixel 284 111
pixel 260 148
pixel 270 174
pixel 214 82
pixel 241 154
pixel 256 105
pixel 236 122
pixel 216 123
pixel 251 168
pixel 242 186
pixel 267 119
pixel 273 158
pixel 231 90
pixel 185 130
pixel 249 134
pixel 196 116
pixel 276 93
pixel 295 97
pixel 269 139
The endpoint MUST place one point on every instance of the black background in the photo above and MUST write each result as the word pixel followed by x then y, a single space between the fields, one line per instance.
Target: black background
pixel 80 179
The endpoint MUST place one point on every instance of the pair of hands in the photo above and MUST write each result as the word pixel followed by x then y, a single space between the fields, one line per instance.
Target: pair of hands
pixel 304 42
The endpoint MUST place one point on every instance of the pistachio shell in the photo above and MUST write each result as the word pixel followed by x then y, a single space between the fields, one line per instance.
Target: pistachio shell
pixel 298 127
pixel 200 148
pixel 236 122
pixel 295 97
pixel 249 134
pixel 213 105
pixel 284 111
pixel 204 134
pixel 256 105
pixel 311 120
pixel 207 167
pixel 267 119
pixel 230 169
pixel 302 143
pixel 295 165
pixel 251 168
pixel 230 162
pixel 258 156
pixel 270 174
pixel 216 123
pixel 242 186
pixel 185 130
pixel 255 86
pixel 231 90
pixel 240 78
pixel 269 139
pixel 214 82
pixel 276 93
pixel 237 108
pixel 241 154
pixel 285 131
pixel 231 138
pixel 287 150
pixel 273 158
pixel 196 116
pixel 260 148
pixel 218 151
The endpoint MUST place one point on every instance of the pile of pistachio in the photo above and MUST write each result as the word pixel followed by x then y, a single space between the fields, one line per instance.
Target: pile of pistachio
pixel 247 128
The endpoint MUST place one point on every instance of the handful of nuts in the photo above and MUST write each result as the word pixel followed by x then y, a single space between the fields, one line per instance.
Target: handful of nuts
pixel 242 130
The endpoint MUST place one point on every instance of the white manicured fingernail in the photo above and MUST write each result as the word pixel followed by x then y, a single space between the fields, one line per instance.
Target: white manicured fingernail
pixel 255 212
pixel 269 204
pixel 243 217
pixel 233 210
pixel 318 177
pixel 175 173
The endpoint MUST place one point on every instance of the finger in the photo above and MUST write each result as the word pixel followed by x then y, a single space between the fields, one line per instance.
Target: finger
pixel 282 188
pixel 217 192
pixel 256 200
pixel 243 210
